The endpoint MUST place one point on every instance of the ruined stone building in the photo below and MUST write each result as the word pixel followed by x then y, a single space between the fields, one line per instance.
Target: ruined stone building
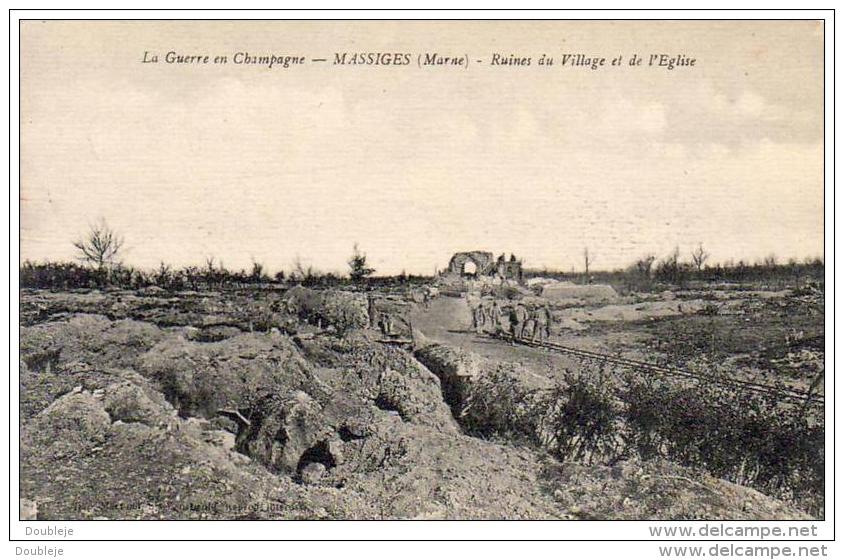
pixel 479 264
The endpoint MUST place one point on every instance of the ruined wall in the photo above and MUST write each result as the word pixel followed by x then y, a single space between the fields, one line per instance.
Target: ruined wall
pixel 511 270
pixel 484 262
pixel 486 265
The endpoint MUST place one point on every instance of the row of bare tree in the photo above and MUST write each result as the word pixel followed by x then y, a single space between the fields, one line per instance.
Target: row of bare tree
pixel 99 251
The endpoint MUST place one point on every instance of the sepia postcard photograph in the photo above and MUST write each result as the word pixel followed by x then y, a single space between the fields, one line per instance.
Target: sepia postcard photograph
pixel 421 269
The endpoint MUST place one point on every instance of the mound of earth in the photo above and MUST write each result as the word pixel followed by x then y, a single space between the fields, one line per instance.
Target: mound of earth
pixel 79 462
pixel 586 293
pixel 462 372
pixel 632 490
pixel 92 339
pixel 38 389
pixel 632 311
pixel 336 308
pixel 390 375
pixel 200 378
pixel 122 419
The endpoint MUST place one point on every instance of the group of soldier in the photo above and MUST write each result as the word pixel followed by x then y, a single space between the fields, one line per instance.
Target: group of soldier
pixel 522 319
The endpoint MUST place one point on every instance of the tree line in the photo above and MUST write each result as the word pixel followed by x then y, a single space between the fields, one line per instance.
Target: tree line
pixel 98 264
pixel 649 272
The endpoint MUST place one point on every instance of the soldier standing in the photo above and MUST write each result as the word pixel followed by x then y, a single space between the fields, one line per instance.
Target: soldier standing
pixel 372 311
pixel 385 321
pixel 495 316
pixel 474 309
pixel 480 312
pixel 513 318
pixel 541 318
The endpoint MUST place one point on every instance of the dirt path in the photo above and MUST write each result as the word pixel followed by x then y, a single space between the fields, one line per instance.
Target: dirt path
pixel 448 321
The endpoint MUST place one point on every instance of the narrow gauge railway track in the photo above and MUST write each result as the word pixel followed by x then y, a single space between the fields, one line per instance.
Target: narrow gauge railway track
pixel 780 393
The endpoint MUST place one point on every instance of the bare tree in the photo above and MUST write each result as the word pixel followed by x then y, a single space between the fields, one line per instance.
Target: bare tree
pixel 643 266
pixel 257 274
pixel 209 273
pixel 770 261
pixel 163 275
pixel 587 260
pixel 306 275
pixel 699 257
pixel 299 272
pixel 670 269
pixel 100 246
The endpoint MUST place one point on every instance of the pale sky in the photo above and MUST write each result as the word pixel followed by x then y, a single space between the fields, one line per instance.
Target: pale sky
pixel 241 162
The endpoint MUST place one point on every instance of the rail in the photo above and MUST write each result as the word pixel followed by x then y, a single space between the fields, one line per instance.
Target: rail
pixel 762 388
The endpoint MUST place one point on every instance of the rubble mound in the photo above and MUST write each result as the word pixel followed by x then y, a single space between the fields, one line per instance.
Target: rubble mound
pixel 93 339
pixel 79 462
pixel 388 377
pixel 462 373
pixel 356 384
pixel 72 425
pixel 586 293
pixel 121 419
pixel 284 431
pixel 658 489
pixel 200 378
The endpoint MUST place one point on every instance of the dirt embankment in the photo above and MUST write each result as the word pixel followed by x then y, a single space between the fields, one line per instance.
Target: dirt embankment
pixel 123 419
pixel 580 422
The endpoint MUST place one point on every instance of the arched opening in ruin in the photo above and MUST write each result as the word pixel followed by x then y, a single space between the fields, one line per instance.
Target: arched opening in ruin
pixel 472 264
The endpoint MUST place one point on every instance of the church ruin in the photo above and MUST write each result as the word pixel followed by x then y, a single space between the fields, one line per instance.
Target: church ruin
pixel 478 264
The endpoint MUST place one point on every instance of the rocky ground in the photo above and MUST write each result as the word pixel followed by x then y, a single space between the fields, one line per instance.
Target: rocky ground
pixel 160 406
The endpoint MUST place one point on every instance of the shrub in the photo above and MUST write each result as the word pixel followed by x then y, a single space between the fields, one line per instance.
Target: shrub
pixel 577 420
pixel 582 422
pixel 603 415
pixel 498 405
pixel 748 438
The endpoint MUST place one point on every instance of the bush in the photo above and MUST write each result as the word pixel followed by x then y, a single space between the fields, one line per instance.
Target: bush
pixel 60 276
pixel 748 438
pixel 498 405
pixel 577 420
pixel 604 415
pixel 582 422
